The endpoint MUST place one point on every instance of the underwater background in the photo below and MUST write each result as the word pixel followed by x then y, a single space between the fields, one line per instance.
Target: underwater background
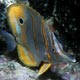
pixel 65 18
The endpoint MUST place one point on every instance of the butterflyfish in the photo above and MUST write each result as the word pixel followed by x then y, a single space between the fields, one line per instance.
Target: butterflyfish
pixel 34 38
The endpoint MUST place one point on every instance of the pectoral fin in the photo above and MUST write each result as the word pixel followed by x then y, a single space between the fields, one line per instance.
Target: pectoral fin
pixel 44 68
pixel 26 56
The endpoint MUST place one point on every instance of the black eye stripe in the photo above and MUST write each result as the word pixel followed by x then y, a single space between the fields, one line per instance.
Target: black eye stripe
pixel 21 20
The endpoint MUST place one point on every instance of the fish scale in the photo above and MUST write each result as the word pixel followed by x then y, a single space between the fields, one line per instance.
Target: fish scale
pixel 39 41
pixel 29 31
pixel 37 33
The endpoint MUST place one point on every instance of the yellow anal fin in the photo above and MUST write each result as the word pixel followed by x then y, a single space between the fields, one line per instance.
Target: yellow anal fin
pixel 44 68
pixel 26 57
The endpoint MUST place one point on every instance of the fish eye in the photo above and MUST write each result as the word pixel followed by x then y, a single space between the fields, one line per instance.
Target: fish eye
pixel 21 21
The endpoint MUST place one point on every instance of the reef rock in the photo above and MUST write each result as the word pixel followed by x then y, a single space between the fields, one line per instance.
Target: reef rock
pixel 12 70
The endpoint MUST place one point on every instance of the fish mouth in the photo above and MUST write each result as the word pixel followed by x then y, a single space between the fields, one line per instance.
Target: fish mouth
pixel 69 55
